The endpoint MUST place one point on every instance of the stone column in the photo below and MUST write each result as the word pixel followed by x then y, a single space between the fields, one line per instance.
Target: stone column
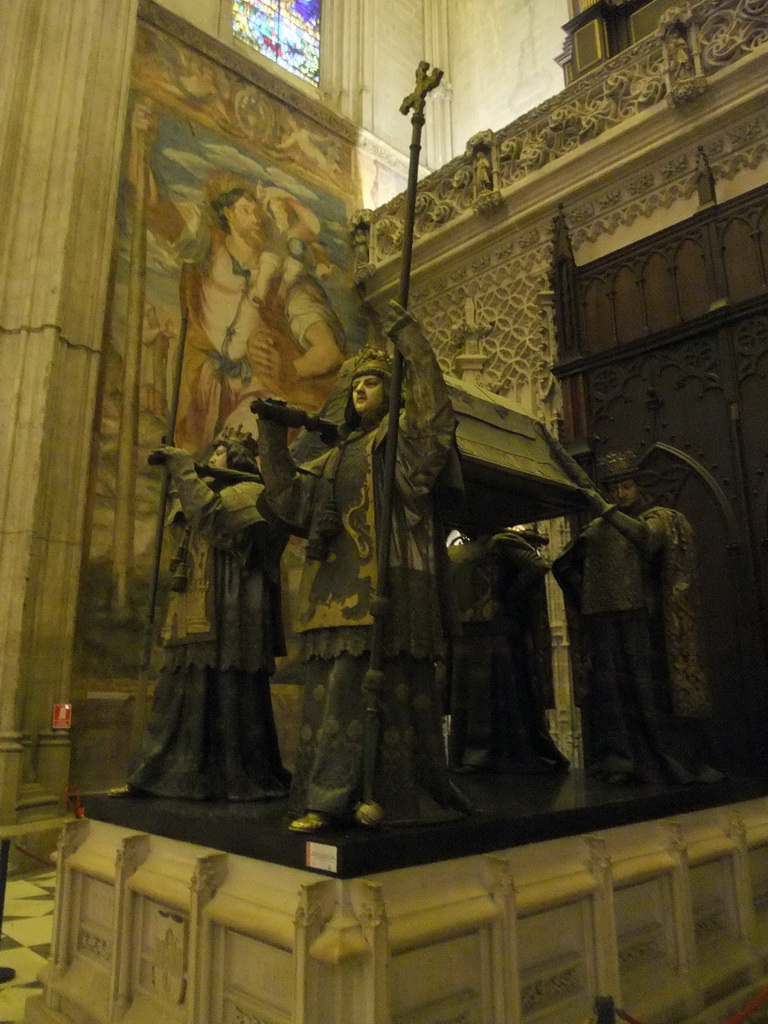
pixel 438 142
pixel 64 76
pixel 348 34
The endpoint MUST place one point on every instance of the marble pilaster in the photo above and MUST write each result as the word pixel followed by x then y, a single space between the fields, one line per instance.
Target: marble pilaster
pixel 63 95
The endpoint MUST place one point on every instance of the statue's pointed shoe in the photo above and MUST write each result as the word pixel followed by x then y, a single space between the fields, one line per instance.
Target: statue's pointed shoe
pixel 312 821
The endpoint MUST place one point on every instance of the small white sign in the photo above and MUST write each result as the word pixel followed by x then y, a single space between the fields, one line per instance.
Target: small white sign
pixel 322 857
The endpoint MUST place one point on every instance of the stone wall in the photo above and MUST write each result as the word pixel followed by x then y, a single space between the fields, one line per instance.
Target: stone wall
pixel 502 63
pixel 63 93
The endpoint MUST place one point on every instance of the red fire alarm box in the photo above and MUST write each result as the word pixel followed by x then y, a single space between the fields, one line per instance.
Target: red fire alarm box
pixel 62 716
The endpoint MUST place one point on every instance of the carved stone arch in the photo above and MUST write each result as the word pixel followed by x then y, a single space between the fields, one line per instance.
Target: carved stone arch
pixel 658 283
pixel 741 259
pixel 691 279
pixel 672 484
pixel 628 304
pixel 680 481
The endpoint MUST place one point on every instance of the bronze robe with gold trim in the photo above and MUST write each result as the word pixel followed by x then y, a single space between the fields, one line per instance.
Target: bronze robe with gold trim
pixel 211 732
pixel 335 618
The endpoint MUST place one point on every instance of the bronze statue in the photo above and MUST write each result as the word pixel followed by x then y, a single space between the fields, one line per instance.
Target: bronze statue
pixel 629 577
pixel 211 733
pixel 501 679
pixel 336 502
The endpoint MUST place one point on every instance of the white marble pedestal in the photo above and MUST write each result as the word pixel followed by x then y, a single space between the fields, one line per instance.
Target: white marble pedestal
pixel 670 917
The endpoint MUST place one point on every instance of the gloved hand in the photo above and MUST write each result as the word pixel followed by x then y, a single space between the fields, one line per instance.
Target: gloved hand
pixel 289 416
pixel 162 453
pixel 278 412
pixel 597 502
pixel 397 318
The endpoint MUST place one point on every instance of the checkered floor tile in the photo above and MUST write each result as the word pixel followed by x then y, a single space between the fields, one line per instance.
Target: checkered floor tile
pixel 26 939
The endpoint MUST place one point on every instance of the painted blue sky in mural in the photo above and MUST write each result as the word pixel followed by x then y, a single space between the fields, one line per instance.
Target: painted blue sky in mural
pixel 184 156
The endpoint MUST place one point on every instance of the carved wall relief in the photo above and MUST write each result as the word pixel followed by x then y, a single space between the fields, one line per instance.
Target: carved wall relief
pixel 728 31
pixel 678 33
pixel 503 285
pixel 162 964
pixel 360 227
pixel 646 942
pixel 556 965
pixel 693 41
pixel 480 151
pixel 714 905
pixel 472 339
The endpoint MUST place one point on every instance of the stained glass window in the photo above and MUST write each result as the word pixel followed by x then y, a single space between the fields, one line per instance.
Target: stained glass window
pixel 287 31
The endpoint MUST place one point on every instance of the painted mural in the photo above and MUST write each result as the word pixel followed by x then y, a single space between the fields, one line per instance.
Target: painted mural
pixel 231 281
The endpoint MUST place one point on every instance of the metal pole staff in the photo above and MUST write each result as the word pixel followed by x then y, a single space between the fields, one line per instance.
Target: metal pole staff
pixel 369 811
pixel 140 709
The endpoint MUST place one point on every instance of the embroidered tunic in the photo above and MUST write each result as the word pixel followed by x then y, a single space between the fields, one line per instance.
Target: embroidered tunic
pixel 335 614
pixel 336 593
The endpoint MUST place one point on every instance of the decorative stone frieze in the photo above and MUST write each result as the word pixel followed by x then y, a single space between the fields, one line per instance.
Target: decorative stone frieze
pixel 728 31
pixel 694 43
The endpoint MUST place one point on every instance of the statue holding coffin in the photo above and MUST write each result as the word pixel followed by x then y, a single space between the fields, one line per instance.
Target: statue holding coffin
pixel 501 679
pixel 336 501
pixel 629 579
pixel 211 733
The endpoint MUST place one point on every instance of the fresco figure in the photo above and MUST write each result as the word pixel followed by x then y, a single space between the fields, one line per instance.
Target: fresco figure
pixel 259 322
pixel 501 680
pixel 211 733
pixel 629 581
pixel 156 339
pixel 335 500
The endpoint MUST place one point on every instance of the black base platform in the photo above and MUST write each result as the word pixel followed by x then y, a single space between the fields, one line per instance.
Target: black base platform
pixel 509 811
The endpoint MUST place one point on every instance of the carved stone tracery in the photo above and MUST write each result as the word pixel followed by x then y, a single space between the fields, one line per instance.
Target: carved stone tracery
pixel 729 31
pixel 505 295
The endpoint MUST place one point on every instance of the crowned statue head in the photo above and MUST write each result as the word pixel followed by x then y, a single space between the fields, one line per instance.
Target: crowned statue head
pixel 621 473
pixel 235 449
pixel 369 389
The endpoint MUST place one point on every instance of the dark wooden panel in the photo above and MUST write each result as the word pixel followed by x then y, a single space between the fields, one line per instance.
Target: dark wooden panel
pixel 741 258
pixel 597 317
pixel 750 417
pixel 692 280
pixel 628 299
pixel 659 289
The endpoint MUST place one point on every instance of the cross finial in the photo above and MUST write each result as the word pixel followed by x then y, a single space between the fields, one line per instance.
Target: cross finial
pixel 426 81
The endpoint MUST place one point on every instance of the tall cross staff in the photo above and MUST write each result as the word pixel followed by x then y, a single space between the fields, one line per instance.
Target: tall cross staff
pixel 369 812
pixel 142 685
